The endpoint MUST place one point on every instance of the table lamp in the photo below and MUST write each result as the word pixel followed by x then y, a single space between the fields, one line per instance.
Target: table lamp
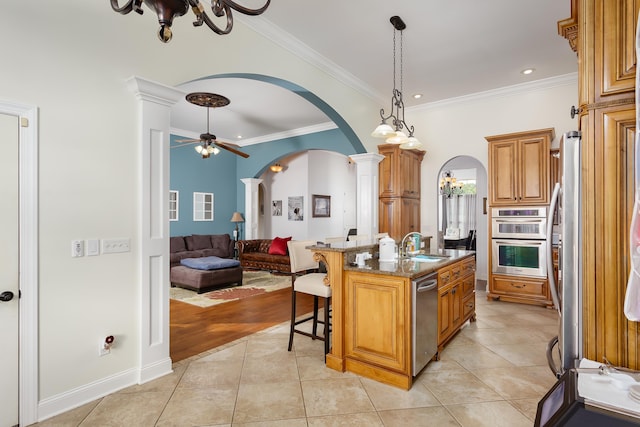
pixel 236 217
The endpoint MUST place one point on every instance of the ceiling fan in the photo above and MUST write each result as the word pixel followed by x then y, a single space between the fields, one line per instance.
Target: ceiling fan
pixel 209 142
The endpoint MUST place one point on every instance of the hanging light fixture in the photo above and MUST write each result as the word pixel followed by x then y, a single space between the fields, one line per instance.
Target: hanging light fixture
pixel 395 134
pixel 169 9
pixel 206 149
pixel 449 185
pixel 276 167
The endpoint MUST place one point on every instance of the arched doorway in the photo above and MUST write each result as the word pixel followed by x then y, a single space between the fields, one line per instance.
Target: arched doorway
pixel 466 168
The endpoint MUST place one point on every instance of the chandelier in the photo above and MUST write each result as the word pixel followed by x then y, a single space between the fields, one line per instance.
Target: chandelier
pixel 449 185
pixel 169 9
pixel 395 134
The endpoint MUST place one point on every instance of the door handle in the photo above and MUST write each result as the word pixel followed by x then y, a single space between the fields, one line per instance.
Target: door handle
pixel 6 296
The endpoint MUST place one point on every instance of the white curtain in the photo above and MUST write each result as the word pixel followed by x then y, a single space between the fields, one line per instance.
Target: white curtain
pixel 466 214
pixel 461 213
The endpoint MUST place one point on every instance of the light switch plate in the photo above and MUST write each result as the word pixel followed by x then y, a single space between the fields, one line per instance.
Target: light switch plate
pixel 93 247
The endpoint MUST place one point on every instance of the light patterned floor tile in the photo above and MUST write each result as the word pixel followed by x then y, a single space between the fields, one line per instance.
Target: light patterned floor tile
pixel 488 414
pixel 492 373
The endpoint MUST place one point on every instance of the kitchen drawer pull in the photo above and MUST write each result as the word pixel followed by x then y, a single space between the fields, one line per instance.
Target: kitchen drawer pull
pixel 518 286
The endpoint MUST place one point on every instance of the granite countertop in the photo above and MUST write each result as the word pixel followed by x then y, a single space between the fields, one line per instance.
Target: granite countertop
pixel 404 267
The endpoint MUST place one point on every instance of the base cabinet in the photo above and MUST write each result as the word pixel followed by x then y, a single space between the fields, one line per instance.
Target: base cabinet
pixel 456 299
pixel 378 327
pixel 529 290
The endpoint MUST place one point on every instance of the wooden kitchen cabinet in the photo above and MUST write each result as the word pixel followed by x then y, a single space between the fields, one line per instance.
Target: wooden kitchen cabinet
pixel 456 299
pixel 529 290
pixel 379 307
pixel 519 168
pixel 399 182
pixel 603 34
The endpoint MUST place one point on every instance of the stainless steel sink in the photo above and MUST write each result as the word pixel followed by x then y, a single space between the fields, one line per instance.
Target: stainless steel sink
pixel 429 258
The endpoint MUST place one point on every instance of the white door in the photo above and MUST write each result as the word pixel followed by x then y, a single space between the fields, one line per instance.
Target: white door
pixel 9 270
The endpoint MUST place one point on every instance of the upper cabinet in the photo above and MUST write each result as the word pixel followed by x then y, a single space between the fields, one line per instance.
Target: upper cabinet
pixel 519 168
pixel 399 171
pixel 399 182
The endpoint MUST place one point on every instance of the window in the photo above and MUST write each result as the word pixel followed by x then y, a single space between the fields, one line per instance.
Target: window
pixel 203 206
pixel 173 205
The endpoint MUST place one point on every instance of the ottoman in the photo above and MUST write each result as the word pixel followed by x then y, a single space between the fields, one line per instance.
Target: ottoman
pixel 204 280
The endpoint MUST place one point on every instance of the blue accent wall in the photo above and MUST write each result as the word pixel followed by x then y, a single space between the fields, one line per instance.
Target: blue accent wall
pixel 191 173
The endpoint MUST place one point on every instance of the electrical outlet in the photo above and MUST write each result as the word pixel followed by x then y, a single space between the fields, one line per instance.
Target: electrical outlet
pixel 77 248
pixel 103 350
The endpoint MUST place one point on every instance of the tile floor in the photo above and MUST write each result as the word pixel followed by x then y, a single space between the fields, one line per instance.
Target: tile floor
pixel 493 373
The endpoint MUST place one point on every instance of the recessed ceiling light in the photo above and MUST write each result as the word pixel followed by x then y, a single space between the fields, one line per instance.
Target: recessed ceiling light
pixel 239 137
pixel 528 71
pixel 417 96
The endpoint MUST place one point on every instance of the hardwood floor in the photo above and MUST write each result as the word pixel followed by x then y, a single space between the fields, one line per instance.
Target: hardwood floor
pixel 194 329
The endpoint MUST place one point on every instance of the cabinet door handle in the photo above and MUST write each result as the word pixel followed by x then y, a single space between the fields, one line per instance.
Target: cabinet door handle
pixel 518 286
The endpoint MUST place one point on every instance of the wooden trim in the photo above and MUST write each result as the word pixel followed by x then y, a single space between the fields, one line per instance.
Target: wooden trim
pixel 568 28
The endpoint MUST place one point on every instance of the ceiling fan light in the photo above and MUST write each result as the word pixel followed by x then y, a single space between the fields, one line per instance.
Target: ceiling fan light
pixel 215 151
pixel 210 149
pixel 198 149
pixel 399 138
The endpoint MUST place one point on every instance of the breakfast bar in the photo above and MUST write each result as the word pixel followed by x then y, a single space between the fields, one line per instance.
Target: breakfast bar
pixel 372 319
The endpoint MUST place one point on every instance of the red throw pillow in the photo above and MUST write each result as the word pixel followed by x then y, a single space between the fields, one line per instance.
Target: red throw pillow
pixel 279 246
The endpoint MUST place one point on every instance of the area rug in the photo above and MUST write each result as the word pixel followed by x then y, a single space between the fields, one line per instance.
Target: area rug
pixel 253 283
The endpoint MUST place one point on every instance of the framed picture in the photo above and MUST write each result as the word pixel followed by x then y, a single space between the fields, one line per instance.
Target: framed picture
pixel 321 206
pixel 276 208
pixel 295 208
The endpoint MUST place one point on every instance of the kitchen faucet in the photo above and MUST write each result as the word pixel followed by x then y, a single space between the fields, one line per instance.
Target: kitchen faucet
pixel 403 247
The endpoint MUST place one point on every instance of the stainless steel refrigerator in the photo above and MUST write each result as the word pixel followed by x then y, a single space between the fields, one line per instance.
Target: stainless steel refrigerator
pixel 565 350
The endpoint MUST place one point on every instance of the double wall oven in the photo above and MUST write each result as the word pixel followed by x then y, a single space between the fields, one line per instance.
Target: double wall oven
pixel 519 245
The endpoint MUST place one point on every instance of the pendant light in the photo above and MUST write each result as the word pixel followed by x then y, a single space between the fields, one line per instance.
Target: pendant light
pixel 395 134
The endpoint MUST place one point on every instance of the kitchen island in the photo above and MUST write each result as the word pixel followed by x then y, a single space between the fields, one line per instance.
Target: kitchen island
pixel 372 320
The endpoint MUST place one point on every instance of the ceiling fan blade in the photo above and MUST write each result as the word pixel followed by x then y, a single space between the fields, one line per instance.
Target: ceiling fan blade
pixel 187 143
pixel 224 146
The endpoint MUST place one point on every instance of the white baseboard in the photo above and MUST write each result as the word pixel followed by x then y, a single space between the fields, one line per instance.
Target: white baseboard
pixel 156 370
pixel 74 398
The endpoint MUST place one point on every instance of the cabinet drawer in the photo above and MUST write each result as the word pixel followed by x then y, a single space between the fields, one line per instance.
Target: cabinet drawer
pixel 469 267
pixel 456 272
pixel 468 305
pixel 444 277
pixel 468 284
pixel 517 286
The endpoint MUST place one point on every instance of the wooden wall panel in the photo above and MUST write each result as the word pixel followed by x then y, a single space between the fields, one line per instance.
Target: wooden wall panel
pixel 615 44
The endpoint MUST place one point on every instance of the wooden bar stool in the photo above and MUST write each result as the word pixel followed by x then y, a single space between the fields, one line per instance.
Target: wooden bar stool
pixel 305 279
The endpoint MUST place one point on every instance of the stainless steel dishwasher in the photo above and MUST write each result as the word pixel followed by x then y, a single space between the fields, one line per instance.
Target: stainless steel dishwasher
pixel 424 310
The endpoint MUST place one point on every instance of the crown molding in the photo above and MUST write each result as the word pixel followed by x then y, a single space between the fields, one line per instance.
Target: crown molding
pixel 287 41
pixel 264 138
pixel 548 83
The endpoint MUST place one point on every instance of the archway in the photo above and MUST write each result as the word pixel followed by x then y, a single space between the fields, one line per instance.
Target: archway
pixel 469 168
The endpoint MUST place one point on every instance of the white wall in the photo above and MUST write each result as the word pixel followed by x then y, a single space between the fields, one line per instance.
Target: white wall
pixel 459 126
pixel 305 174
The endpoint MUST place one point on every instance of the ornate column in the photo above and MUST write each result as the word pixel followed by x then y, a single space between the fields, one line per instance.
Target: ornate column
pixel 154 110
pixel 251 207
